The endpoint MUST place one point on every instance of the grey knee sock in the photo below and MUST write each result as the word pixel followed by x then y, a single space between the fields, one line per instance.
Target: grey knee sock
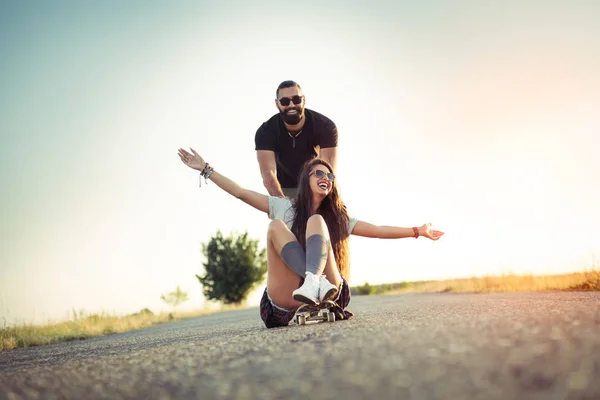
pixel 294 257
pixel 317 249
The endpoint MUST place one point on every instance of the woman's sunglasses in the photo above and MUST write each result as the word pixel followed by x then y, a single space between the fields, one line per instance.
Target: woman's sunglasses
pixel 319 173
pixel 285 101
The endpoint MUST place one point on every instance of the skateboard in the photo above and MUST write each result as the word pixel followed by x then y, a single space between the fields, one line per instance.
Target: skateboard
pixel 322 312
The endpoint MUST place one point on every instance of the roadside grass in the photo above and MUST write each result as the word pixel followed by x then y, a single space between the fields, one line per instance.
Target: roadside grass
pixel 85 325
pixel 577 281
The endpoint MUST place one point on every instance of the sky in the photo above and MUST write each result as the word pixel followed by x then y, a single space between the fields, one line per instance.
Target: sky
pixel 480 117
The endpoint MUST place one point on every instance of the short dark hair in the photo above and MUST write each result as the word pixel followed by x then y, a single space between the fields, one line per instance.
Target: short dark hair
pixel 286 84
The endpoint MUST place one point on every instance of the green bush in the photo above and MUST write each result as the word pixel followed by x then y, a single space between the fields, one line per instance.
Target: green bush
pixel 365 289
pixel 234 266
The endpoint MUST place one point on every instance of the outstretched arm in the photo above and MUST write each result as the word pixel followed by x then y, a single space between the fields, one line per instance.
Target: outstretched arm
pixel 256 200
pixel 394 232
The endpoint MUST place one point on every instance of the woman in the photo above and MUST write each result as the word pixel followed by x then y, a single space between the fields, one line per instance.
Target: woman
pixel 307 239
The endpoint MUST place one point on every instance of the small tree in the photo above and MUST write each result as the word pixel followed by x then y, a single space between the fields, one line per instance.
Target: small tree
pixel 175 298
pixel 234 266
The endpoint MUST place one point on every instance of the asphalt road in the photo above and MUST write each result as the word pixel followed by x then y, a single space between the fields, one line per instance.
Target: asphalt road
pixel 414 346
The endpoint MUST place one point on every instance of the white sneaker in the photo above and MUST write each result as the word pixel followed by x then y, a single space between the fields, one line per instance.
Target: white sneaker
pixel 327 290
pixel 309 291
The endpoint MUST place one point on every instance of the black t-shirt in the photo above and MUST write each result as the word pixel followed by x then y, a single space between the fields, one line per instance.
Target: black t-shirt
pixel 318 132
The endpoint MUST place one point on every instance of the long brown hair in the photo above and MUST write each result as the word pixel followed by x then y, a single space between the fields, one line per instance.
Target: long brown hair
pixel 333 211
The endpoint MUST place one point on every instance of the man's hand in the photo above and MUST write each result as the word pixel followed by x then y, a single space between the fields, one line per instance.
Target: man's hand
pixel 193 161
pixel 432 234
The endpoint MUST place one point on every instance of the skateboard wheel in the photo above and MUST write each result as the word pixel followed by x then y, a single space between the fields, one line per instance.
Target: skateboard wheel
pixel 330 317
pixel 301 320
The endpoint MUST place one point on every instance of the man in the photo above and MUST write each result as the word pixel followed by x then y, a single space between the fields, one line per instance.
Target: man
pixel 290 138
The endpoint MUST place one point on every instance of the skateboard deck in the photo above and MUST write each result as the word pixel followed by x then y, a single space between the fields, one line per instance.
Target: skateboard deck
pixel 325 311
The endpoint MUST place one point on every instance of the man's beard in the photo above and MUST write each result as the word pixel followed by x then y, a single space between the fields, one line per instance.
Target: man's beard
pixel 294 118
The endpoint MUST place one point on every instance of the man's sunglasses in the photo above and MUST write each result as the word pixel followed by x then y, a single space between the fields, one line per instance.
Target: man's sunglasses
pixel 319 173
pixel 285 101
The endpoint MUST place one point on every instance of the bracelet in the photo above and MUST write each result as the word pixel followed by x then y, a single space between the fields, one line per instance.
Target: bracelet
pixel 416 231
pixel 205 169
pixel 205 173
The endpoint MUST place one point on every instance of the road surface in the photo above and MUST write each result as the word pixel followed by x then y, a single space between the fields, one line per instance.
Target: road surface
pixel 410 346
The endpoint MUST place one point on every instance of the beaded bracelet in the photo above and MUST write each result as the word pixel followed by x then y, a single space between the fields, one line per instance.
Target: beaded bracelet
pixel 416 231
pixel 205 173
pixel 205 169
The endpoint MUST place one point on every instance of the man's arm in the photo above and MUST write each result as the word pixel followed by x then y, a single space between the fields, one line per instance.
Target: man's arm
pixel 329 154
pixel 328 141
pixel 268 171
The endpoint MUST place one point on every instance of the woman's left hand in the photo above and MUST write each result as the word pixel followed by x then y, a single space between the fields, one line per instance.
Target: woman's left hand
pixel 192 160
pixel 432 234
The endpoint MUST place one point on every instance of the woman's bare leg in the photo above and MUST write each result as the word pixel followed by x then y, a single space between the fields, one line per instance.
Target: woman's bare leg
pixel 281 280
pixel 331 271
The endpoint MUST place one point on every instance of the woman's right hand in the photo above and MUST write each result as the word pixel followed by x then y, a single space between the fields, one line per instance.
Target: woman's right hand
pixel 192 160
pixel 432 234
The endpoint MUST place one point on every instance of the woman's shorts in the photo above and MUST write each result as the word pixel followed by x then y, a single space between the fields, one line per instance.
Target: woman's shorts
pixel 274 316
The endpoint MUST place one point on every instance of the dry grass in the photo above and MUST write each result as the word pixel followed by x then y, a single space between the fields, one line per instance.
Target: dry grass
pixel 84 325
pixel 588 280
